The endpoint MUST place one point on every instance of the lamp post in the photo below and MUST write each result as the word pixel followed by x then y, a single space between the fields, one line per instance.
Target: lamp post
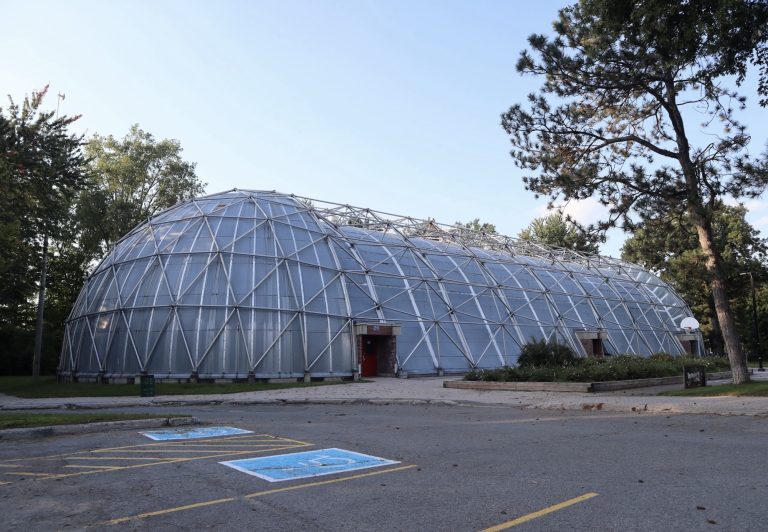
pixel 756 331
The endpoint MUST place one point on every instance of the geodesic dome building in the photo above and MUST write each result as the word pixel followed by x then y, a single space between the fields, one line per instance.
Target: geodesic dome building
pixel 267 285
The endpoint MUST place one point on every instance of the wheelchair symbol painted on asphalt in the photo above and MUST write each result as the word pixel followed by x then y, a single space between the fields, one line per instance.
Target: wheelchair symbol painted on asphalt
pixel 306 464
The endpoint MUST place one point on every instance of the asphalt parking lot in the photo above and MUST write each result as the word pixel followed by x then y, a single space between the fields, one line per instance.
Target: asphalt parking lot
pixel 449 468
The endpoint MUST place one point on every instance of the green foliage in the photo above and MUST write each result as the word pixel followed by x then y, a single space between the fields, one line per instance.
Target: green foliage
pixel 132 179
pixel 556 230
pixel 622 83
pixel 477 226
pixel 26 387
pixel 751 389
pixel 543 353
pixel 42 170
pixel 84 198
pixel 621 367
pixel 669 247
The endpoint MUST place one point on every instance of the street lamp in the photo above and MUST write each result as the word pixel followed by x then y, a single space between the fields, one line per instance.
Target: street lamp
pixel 756 331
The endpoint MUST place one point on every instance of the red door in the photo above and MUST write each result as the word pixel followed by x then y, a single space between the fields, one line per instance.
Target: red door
pixel 369 363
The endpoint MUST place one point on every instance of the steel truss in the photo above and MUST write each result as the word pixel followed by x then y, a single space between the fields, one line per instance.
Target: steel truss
pixel 258 283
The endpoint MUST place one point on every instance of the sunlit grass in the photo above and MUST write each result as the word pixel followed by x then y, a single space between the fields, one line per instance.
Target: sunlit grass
pixel 751 389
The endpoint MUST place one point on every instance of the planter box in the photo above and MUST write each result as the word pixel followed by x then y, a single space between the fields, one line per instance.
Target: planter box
pixel 521 386
pixel 605 386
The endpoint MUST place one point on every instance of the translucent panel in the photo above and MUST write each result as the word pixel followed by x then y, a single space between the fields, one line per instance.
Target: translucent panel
pixel 262 283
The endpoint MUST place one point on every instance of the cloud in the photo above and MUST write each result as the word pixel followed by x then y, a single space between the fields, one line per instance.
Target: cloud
pixel 586 211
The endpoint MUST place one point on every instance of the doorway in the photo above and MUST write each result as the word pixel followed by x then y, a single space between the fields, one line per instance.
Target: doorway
pixel 377 356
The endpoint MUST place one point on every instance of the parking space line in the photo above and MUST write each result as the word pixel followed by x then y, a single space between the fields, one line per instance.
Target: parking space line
pixel 118 458
pixel 544 511
pixel 159 461
pixel 253 495
pixel 145 455
pixel 94 466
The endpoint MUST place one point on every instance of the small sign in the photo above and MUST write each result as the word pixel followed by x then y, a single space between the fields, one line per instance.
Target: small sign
pixel 306 464
pixel 193 434
pixel 694 376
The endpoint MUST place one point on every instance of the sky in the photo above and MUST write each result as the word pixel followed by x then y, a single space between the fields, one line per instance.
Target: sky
pixel 387 104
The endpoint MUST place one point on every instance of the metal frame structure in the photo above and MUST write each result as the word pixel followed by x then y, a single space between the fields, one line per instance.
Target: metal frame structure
pixel 263 284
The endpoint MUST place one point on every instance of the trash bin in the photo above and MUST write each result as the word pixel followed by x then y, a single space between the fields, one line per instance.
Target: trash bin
pixel 694 376
pixel 147 386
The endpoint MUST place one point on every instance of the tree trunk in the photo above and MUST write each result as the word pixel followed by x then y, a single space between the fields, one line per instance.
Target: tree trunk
pixel 701 221
pixel 716 338
pixel 720 298
pixel 38 353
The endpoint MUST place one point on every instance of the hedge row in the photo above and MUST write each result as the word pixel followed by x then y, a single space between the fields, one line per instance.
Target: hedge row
pixel 615 368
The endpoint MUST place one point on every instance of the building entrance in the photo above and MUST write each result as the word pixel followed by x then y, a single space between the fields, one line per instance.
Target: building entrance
pixel 377 349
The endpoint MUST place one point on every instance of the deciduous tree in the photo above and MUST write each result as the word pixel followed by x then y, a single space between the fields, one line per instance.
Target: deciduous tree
pixel 556 230
pixel 670 248
pixel 42 169
pixel 133 179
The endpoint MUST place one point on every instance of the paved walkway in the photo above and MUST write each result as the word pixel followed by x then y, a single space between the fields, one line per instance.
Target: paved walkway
pixel 426 391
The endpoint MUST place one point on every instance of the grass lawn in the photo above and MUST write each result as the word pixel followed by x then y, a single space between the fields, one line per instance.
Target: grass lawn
pixel 752 389
pixel 14 420
pixel 28 388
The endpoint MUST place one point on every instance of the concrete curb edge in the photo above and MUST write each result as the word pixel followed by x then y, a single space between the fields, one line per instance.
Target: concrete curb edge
pixel 99 426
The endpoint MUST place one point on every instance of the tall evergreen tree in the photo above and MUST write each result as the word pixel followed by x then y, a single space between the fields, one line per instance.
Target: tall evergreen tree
pixel 623 82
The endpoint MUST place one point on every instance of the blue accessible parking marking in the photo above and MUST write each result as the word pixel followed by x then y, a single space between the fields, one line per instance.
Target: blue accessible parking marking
pixel 193 434
pixel 307 464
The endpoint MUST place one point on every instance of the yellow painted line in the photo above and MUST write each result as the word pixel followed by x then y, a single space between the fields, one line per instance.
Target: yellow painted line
pixel 252 495
pixel 265 438
pixel 30 474
pixel 540 513
pixel 94 466
pixel 210 450
pixel 240 445
pixel 9 465
pixel 101 458
pixel 162 461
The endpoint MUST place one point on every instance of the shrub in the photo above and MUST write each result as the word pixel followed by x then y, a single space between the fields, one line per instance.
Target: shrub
pixel 542 353
pixel 619 367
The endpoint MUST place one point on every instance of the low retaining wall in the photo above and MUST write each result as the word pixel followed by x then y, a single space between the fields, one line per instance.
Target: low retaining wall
pixel 605 386
pixel 521 386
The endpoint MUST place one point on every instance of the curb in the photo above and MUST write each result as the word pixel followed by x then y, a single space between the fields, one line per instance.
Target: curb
pixel 583 404
pixel 99 426
pixel 582 387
